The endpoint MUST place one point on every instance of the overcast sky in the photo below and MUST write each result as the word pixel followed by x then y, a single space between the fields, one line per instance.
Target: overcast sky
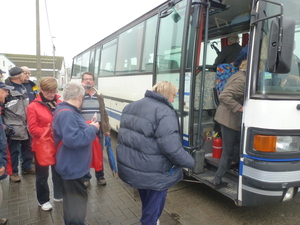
pixel 75 24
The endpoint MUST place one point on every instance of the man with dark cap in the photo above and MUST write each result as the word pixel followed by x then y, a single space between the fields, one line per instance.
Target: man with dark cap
pixel 230 52
pixel 3 156
pixel 15 116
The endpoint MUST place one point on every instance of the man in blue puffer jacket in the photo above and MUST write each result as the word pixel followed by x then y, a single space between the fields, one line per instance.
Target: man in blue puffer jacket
pixel 149 153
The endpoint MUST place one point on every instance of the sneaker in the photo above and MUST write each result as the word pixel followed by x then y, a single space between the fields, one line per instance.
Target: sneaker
pixel 87 183
pixel 3 221
pixel 46 206
pixel 15 178
pixel 157 223
pixel 101 181
pixel 30 171
pixel 58 199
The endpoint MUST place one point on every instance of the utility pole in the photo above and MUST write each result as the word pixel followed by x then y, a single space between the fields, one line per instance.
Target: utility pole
pixel 54 75
pixel 38 44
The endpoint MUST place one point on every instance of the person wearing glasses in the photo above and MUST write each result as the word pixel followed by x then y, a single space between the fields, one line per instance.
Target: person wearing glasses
pixel 31 87
pixel 93 103
pixel 40 116
pixel 15 115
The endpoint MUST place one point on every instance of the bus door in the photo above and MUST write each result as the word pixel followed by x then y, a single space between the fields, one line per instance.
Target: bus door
pixel 170 47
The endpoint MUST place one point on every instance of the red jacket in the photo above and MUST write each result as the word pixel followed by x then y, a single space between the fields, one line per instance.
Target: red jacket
pixel 38 118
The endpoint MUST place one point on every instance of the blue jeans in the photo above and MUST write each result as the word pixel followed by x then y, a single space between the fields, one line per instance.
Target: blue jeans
pixel 41 182
pixel 98 174
pixel 153 203
pixel 26 154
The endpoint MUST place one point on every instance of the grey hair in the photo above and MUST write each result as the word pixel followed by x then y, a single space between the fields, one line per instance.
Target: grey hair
pixel 15 77
pixel 234 38
pixel 73 91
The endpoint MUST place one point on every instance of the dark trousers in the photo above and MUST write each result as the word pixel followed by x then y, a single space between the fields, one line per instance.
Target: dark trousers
pixel 26 154
pixel 41 182
pixel 75 201
pixel 230 139
pixel 153 203
pixel 98 174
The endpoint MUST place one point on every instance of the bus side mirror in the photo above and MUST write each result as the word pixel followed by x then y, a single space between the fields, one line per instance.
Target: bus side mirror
pixel 281 45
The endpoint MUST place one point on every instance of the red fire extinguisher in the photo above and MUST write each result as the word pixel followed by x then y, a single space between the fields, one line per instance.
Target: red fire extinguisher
pixel 217 147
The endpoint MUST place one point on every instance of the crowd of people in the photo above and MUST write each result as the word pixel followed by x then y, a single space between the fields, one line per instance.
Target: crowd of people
pixel 148 127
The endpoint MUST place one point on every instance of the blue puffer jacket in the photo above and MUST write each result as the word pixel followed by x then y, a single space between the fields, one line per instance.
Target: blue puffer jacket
pixel 149 152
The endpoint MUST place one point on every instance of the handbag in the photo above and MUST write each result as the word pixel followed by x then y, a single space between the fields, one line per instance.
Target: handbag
pixel 45 148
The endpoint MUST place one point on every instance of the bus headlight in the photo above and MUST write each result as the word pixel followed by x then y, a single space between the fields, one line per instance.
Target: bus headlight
pixel 289 194
pixel 267 143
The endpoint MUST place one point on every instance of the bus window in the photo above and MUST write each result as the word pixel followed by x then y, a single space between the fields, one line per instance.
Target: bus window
pixel 270 85
pixel 148 53
pixel 92 62
pixel 97 61
pixel 170 40
pixel 108 58
pixel 85 62
pixel 129 50
pixel 76 67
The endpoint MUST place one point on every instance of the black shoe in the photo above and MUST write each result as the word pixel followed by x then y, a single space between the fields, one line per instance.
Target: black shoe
pixel 220 185
pixel 234 166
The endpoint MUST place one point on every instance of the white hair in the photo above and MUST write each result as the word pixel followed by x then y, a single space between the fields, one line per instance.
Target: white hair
pixel 73 91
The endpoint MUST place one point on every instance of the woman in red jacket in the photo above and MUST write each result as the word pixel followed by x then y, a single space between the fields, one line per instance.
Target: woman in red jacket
pixel 39 116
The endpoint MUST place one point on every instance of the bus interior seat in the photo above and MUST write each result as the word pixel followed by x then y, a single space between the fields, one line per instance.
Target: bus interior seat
pixel 210 83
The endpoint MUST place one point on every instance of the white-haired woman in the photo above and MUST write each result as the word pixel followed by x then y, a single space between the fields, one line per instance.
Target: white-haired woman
pixel 150 153
pixel 74 155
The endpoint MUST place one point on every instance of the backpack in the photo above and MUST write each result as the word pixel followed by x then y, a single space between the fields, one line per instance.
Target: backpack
pixel 224 71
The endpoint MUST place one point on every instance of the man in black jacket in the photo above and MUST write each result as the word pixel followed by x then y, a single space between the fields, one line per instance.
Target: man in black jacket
pixel 230 52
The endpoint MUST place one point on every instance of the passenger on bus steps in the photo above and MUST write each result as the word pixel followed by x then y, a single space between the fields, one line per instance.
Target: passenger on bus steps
pixel 229 116
pixel 93 103
pixel 230 52
pixel 149 153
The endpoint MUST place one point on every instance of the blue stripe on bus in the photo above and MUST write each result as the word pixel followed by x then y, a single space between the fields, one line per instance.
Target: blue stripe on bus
pixel 116 115
pixel 113 114
pixel 271 160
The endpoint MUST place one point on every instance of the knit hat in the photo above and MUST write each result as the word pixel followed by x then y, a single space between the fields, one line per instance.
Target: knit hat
pixel 15 71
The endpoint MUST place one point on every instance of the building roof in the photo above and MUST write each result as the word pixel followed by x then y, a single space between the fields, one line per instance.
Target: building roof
pixel 30 62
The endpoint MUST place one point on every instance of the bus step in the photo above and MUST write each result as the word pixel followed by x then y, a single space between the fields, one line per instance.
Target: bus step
pixel 207 178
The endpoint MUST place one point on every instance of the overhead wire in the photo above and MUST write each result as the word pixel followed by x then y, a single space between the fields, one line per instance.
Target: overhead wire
pixel 49 26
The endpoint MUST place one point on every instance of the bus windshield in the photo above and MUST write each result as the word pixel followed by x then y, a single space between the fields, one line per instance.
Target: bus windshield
pixel 281 86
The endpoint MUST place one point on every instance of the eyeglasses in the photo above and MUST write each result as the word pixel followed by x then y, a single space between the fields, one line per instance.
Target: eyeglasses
pixel 27 73
pixel 87 79
pixel 50 92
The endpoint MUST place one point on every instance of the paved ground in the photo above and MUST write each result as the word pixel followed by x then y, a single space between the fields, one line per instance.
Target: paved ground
pixel 112 204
